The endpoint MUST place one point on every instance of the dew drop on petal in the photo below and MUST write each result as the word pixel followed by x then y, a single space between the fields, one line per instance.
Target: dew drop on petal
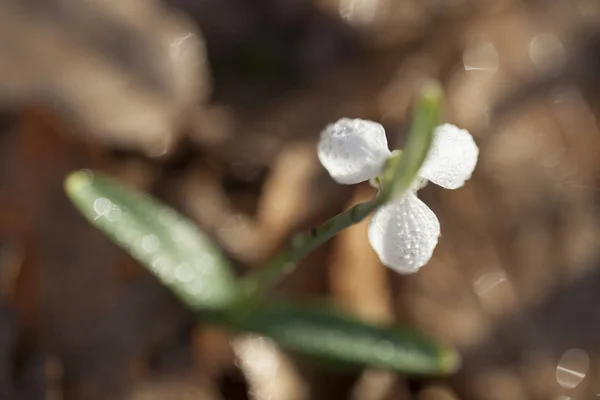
pixel 353 150
pixel 404 234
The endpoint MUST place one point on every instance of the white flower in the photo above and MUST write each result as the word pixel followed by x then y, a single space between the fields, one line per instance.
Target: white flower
pixel 405 231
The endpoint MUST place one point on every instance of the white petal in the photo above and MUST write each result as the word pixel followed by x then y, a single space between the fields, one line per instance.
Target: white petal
pixel 404 234
pixel 353 150
pixel 452 157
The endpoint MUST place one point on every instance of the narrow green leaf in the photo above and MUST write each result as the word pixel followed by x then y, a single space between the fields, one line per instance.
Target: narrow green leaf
pixel 401 170
pixel 333 336
pixel 158 237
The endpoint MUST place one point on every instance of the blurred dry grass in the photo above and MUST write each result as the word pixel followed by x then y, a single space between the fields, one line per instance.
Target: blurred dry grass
pixel 215 106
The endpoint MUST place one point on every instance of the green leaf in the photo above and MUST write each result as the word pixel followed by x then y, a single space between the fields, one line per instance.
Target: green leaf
pixel 332 336
pixel 162 240
pixel 401 170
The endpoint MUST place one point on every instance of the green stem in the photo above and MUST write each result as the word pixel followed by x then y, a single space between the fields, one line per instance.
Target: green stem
pixel 257 283
pixel 254 286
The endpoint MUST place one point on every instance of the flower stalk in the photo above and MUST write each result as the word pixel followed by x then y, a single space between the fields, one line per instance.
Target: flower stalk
pixel 284 262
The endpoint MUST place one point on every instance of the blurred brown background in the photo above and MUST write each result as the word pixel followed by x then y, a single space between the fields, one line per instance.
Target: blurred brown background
pixel 215 106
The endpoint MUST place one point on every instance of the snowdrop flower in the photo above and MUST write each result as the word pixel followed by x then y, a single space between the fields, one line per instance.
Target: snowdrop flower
pixel 403 232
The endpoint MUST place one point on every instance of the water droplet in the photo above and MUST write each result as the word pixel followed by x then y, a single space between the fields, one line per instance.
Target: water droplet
pixel 114 214
pixel 150 243
pixel 184 273
pixel 102 206
pixel 572 368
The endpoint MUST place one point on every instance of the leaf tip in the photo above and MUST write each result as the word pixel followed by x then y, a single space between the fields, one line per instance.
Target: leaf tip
pixel 78 180
pixel 432 91
pixel 450 361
